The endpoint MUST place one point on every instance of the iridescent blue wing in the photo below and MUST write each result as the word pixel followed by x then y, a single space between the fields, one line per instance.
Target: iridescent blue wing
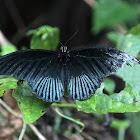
pixel 48 89
pixel 87 68
pixel 38 68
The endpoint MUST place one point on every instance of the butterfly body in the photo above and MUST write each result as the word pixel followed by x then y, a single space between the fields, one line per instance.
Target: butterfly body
pixel 82 70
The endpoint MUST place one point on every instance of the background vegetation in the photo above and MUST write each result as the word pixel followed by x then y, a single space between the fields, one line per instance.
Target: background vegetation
pixel 108 23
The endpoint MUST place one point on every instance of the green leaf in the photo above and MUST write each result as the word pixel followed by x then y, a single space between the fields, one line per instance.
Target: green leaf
pixel 130 43
pixel 7 83
pixel 131 75
pixel 45 37
pixel 114 36
pixel 134 30
pixel 111 12
pixel 31 107
pixel 109 85
pixel 102 103
pixel 5 49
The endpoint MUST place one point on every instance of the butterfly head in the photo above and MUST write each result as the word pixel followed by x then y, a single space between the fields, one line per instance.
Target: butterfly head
pixel 63 49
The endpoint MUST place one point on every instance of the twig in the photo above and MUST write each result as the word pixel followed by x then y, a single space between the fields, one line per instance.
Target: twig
pixel 108 119
pixel 91 3
pixel 10 110
pixel 3 40
pixel 22 132
pixel 35 130
pixel 86 136
pixel 38 134
pixel 121 28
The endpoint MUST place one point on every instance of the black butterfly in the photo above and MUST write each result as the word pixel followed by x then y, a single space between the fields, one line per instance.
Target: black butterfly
pixel 82 70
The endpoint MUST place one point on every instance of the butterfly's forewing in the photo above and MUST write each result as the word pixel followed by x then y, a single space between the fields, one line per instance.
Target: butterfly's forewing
pixel 26 64
pixel 38 68
pixel 87 68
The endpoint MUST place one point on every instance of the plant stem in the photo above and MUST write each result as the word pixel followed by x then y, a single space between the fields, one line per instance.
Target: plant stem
pixel 69 118
pixel 121 134
pixel 22 132
pixel 64 105
pixel 35 130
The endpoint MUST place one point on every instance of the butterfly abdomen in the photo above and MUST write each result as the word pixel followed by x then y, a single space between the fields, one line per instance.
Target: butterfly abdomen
pixel 64 60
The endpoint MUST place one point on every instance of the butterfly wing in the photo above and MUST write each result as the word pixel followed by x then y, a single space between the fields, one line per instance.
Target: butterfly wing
pixel 38 68
pixel 87 68
pixel 50 87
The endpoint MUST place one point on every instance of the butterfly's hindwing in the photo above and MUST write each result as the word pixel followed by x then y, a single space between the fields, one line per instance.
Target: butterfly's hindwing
pixel 48 89
pixel 82 87
pixel 82 80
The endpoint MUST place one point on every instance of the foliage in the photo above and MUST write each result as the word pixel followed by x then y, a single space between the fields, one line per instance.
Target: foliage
pixel 134 30
pixel 7 83
pixel 5 49
pixel 135 122
pixel 31 107
pixel 121 126
pixel 129 43
pixel 109 85
pixel 44 37
pixel 117 102
pixel 109 13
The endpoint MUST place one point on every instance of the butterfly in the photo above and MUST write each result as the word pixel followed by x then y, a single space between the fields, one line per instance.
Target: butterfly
pixel 81 70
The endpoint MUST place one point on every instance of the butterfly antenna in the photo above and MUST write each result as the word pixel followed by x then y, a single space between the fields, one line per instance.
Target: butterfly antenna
pixel 71 37
pixel 53 36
